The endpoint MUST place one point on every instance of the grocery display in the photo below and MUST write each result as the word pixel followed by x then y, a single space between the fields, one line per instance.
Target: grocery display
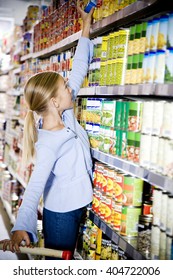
pixel 125 105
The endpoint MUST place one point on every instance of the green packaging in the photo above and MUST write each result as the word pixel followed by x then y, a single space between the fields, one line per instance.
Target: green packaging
pixel 137 147
pixel 132 191
pixel 123 144
pixel 108 113
pixel 130 145
pixel 124 115
pixel 135 115
pixel 118 114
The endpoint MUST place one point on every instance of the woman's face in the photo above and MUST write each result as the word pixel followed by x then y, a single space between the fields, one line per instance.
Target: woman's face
pixel 64 95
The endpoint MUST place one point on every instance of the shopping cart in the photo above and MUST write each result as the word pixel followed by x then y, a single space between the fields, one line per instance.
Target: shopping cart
pixel 40 251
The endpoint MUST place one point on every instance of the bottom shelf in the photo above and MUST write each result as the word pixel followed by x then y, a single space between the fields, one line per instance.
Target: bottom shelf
pixel 125 245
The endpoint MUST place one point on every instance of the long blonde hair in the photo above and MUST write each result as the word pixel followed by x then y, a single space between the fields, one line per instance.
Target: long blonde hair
pixel 38 90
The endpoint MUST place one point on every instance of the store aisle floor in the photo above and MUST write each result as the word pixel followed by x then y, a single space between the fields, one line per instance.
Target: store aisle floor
pixel 5 228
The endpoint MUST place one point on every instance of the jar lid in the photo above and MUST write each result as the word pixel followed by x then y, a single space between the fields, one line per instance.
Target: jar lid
pixel 146 218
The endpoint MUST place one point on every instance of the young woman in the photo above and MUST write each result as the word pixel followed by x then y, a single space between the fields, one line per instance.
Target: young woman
pixel 63 167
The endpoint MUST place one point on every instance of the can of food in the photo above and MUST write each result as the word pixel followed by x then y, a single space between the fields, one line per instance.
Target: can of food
pixel 129 220
pixel 116 215
pixel 145 150
pixel 123 144
pixel 155 242
pixel 118 114
pixel 147 208
pixel 132 191
pixel 162 246
pixel 169 221
pixel 147 116
pixel 101 212
pixel 137 147
pixel 96 201
pixel 98 175
pixel 130 145
pixel 104 179
pixel 158 108
pixel 135 115
pixel 108 210
pixel 169 241
pixel 154 152
pixel 157 198
pixel 110 181
pixel 170 31
pixel 118 186
pixel 163 212
pixel 144 235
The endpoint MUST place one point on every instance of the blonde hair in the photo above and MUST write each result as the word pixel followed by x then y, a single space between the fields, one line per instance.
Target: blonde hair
pixel 38 90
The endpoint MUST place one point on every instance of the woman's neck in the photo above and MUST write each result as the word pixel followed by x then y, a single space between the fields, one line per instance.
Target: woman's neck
pixel 52 122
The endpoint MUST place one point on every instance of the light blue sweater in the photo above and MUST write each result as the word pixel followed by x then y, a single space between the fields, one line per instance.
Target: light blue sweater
pixel 63 168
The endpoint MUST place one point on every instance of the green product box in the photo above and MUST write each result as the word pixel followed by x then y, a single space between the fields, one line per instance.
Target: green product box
pixel 134 70
pixel 137 147
pixel 170 31
pixel 118 139
pixel 106 140
pixel 137 36
pixel 101 139
pixel 130 145
pixel 129 220
pixel 112 149
pixel 123 144
pixel 132 191
pixel 143 37
pixel 131 40
pixel 135 115
pixel 169 66
pixel 124 115
pixel 108 113
pixel 118 114
pixel 140 69
pixel 128 69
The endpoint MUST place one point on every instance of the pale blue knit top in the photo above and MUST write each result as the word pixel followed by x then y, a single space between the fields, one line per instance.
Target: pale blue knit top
pixel 63 167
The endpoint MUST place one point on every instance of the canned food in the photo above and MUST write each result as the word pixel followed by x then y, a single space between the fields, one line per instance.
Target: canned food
pixel 132 191
pixel 116 215
pixel 129 220
pixel 118 186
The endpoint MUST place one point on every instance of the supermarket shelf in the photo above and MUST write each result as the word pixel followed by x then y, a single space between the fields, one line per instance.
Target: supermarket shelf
pixel 61 46
pixel 7 207
pixel 15 175
pixel 124 17
pixel 115 237
pixel 165 90
pixel 135 170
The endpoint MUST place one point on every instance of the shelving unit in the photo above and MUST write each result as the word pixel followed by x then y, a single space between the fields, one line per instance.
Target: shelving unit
pixel 135 170
pixel 116 238
pixel 123 18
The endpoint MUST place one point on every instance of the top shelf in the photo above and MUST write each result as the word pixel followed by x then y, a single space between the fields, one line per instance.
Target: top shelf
pixel 124 17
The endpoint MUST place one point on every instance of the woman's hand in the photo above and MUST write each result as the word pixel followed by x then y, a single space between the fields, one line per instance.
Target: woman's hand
pixel 87 20
pixel 16 241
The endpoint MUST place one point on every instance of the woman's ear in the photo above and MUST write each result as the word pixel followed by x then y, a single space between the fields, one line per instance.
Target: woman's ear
pixel 54 102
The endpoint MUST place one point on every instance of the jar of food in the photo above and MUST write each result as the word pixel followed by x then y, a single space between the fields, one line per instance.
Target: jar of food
pixel 144 235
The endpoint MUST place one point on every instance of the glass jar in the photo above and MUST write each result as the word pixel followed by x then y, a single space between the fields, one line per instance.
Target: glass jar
pixel 144 235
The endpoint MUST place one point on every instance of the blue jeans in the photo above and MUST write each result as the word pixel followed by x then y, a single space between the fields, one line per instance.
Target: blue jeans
pixel 61 229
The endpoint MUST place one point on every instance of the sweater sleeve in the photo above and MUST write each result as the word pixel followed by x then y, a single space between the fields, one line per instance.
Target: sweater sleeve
pixel 82 58
pixel 27 215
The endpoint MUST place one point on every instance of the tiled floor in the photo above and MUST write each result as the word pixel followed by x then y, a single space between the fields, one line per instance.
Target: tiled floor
pixel 5 228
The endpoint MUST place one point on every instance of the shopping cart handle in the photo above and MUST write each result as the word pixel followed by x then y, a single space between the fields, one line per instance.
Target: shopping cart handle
pixel 65 255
